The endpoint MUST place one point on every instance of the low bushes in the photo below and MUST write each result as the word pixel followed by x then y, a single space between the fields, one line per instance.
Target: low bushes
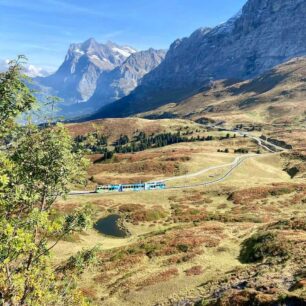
pixel 264 246
pixel 246 196
pixel 291 224
pixel 159 277
pixel 136 213
pixel 196 270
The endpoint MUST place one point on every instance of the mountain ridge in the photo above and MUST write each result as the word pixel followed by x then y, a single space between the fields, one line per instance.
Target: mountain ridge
pixel 119 82
pixel 247 45
pixel 75 80
pixel 276 96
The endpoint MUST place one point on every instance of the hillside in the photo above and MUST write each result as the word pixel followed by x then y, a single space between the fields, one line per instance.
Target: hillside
pixel 230 243
pixel 113 128
pixel 246 46
pixel 233 242
pixel 277 96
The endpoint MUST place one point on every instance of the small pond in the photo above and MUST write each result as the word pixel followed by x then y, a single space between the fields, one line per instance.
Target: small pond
pixel 109 226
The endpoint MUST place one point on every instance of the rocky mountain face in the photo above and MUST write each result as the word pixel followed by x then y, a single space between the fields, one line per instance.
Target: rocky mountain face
pixel 76 79
pixel 119 82
pixel 276 97
pixel 264 34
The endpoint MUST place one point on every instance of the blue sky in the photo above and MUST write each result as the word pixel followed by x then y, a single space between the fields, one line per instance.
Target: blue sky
pixel 43 29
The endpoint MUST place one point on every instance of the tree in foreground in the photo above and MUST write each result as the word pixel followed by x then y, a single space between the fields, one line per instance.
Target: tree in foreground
pixel 37 165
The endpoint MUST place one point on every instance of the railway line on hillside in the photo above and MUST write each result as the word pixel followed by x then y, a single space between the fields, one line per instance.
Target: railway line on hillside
pixel 268 146
pixel 232 166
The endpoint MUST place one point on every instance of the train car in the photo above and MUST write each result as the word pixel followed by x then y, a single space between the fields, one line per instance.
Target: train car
pixel 108 188
pixel 155 186
pixel 130 187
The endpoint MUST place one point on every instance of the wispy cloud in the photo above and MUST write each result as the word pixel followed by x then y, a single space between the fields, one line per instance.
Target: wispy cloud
pixel 112 34
pixel 73 8
pixel 63 7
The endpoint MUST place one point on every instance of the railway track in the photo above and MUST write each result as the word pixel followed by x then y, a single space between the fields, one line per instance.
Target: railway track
pixel 270 147
pixel 232 166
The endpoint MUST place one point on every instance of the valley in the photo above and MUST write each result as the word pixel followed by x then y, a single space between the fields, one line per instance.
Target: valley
pixel 185 244
pixel 141 176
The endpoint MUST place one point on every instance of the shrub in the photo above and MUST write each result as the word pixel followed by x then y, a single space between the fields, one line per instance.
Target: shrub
pixel 157 278
pixel 137 213
pixel 196 270
pixel 183 248
pixel 293 223
pixel 263 246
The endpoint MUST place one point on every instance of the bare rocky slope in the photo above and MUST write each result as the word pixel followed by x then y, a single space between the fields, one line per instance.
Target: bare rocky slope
pixel 264 34
pixel 277 96
pixel 76 79
pixel 119 82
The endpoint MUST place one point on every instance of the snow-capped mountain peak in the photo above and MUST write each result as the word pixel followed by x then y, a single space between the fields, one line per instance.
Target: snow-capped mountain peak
pixel 125 51
pixel 75 80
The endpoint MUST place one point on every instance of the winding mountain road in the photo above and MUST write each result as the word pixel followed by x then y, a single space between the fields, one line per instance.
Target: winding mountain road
pixel 270 147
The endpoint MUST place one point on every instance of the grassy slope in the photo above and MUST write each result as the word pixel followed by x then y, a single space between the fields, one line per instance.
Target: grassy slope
pixel 113 128
pixel 249 199
pixel 276 97
pixel 152 266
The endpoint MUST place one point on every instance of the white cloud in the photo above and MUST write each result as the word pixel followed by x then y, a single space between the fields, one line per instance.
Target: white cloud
pixel 30 70
pixel 3 65
pixel 34 71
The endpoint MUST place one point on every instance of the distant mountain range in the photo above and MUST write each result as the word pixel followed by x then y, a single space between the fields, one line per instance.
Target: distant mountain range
pixel 108 80
pixel 75 80
pixel 264 34
pixel 93 75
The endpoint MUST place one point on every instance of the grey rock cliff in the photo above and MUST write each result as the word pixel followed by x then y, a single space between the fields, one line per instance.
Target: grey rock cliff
pixel 120 81
pixel 76 79
pixel 264 34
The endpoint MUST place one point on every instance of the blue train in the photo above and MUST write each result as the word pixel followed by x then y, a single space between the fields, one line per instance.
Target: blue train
pixel 131 187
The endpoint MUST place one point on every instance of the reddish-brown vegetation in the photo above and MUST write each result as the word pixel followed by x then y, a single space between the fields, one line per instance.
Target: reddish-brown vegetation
pixel 184 213
pixel 195 270
pixel 90 293
pixel 136 213
pixel 246 196
pixel 159 277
